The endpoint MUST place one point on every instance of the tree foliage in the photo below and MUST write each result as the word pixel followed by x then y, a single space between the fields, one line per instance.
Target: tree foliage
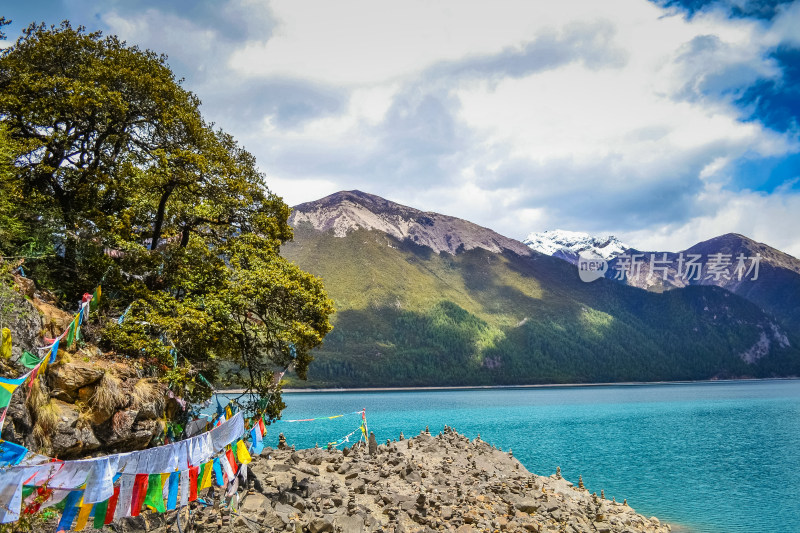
pixel 111 156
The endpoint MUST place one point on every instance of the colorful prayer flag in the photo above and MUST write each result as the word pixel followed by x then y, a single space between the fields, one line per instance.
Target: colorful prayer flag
pixel 95 301
pixel 258 442
pixel 193 483
pixel 200 474
pixel 172 495
pixel 232 462
pixel 139 493
pixel 5 344
pixel 112 507
pixel 205 481
pixel 7 388
pixel 218 472
pixel 83 515
pixel 28 360
pixel 155 498
pixel 71 333
pixel 71 508
pixel 242 454
pixel 54 351
pixel 100 511
pixel 10 453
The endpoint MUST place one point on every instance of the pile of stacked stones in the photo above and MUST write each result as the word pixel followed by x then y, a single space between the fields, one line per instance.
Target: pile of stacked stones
pixel 427 483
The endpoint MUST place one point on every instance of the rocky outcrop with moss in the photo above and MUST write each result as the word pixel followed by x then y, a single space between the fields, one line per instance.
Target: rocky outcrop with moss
pixel 83 404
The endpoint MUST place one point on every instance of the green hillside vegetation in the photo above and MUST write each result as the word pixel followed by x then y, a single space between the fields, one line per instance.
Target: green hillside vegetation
pixel 407 316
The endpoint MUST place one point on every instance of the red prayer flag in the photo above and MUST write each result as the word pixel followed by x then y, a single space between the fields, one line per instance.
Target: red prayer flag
pixel 139 493
pixel 232 460
pixel 261 425
pixel 112 507
pixel 193 483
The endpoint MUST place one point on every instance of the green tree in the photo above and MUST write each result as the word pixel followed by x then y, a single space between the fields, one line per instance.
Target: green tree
pixel 83 109
pixel 173 215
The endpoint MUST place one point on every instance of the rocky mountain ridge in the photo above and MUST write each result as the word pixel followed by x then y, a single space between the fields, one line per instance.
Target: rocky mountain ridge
pixel 346 211
pixel 753 270
pixel 409 315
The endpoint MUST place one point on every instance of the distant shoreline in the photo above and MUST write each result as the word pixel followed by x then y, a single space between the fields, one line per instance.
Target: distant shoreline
pixel 536 386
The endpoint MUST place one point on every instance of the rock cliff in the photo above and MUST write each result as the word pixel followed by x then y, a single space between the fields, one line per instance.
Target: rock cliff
pixel 84 404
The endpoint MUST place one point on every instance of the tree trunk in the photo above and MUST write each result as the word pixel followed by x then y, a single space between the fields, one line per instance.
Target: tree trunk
pixel 185 236
pixel 159 222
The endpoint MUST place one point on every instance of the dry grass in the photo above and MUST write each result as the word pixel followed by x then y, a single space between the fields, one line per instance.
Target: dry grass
pixel 108 396
pixel 146 391
pixel 48 415
pixel 38 397
pixel 45 414
pixel 42 440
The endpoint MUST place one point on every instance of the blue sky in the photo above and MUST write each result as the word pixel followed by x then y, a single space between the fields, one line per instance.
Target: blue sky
pixel 665 122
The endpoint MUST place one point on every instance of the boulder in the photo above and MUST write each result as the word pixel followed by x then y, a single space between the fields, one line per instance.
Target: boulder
pixel 125 432
pixel 53 320
pixel 320 525
pixel 527 505
pixel 65 379
pixel 349 524
pixel 73 435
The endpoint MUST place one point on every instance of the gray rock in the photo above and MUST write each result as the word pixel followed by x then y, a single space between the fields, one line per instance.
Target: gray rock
pixel 320 525
pixel 72 436
pixel 528 505
pixel 349 524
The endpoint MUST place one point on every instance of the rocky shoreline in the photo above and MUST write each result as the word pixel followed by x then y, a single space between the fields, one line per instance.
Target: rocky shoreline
pixel 426 483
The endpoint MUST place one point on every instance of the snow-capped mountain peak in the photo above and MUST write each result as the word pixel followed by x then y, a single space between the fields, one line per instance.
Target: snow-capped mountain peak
pixel 569 244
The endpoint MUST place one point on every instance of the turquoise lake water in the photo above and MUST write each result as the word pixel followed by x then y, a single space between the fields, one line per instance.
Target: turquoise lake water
pixel 713 457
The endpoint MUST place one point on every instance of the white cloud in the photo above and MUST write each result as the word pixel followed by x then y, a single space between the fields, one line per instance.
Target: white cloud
pixel 374 95
pixel 771 219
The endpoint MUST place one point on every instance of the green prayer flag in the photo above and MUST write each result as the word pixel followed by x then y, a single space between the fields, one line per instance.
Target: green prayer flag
pixel 71 334
pixel 95 301
pixel 155 496
pixel 100 514
pixel 28 360
pixel 200 476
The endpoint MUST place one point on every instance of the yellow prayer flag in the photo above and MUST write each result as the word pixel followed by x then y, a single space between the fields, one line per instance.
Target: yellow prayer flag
pixel 206 481
pixel 83 515
pixel 5 344
pixel 242 454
